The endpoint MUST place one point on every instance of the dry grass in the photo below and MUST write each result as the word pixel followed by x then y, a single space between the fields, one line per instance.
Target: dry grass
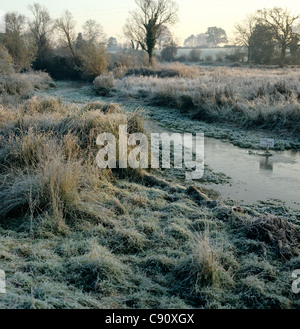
pixel 24 84
pixel 75 236
pixel 264 98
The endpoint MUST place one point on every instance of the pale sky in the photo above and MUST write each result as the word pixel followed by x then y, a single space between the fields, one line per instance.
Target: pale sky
pixel 194 15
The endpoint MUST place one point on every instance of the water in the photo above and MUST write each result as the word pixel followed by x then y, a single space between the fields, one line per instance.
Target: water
pixel 253 177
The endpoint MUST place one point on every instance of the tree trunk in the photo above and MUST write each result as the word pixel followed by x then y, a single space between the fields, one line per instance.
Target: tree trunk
pixel 249 54
pixel 282 56
pixel 150 59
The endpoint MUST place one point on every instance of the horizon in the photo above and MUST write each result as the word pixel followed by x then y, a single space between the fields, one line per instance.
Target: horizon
pixel 215 13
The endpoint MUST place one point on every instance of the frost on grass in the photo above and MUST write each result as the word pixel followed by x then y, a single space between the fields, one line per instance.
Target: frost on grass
pixel 74 236
pixel 247 97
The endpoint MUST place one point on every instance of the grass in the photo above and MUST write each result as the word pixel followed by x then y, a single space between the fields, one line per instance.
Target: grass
pixel 249 98
pixel 75 236
pixel 15 87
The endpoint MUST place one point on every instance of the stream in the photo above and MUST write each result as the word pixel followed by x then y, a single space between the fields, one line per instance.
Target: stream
pixel 254 177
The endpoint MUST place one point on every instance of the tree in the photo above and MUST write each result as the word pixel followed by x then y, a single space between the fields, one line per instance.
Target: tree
pixel 41 27
pixel 199 40
pixel 66 27
pixel 261 45
pixel 216 35
pixel 294 45
pixel 165 37
pixel 6 62
pixel 190 41
pixel 94 60
pixel 93 32
pixel 145 24
pixel 79 43
pixel 14 23
pixel 93 56
pixel 112 43
pixel 281 22
pixel 195 55
pixel 244 31
pixel 18 44
pixel 169 51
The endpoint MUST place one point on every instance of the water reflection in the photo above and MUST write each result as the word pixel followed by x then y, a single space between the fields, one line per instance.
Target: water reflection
pixel 266 164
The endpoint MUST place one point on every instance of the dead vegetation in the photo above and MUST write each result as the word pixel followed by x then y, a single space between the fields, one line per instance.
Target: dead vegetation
pixel 75 236
pixel 275 231
pixel 256 98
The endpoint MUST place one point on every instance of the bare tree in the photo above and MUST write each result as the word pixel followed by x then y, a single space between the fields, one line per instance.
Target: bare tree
pixel 165 37
pixel 93 32
pixel 40 28
pixel 93 56
pixel 244 31
pixel 18 44
pixel 144 25
pixel 281 22
pixel 14 23
pixel 66 27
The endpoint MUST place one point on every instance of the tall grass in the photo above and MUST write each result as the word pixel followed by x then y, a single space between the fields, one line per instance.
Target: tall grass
pixel 24 84
pixel 75 236
pixel 247 97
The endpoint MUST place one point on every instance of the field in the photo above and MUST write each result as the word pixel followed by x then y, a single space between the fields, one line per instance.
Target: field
pixel 260 98
pixel 75 236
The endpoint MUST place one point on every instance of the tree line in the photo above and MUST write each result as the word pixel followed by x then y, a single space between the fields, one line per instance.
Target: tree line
pixel 268 35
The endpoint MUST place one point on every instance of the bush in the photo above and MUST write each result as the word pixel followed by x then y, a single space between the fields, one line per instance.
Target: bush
pixel 94 61
pixel 21 50
pixel 168 71
pixel 63 68
pixel 220 57
pixel 39 105
pixel 236 56
pixel 6 62
pixel 129 58
pixel 208 58
pixel 24 84
pixel 104 84
pixel 169 52
pixel 195 55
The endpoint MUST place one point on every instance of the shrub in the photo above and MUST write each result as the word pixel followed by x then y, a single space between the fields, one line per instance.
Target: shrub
pixel 20 49
pixel 208 58
pixel 6 62
pixel 195 55
pixel 236 56
pixel 169 52
pixel 94 61
pixel 39 105
pixel 104 84
pixel 23 84
pixel 129 58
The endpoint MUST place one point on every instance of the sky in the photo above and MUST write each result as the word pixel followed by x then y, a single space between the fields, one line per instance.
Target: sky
pixel 194 15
